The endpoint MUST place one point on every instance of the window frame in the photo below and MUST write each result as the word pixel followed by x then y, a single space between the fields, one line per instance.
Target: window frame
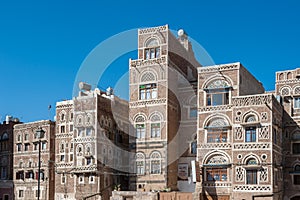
pixel 251 131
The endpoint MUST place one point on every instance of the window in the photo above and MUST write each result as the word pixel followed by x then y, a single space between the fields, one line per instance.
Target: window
pixel 216 174
pixel 29 174
pixel 6 197
pixel 216 97
pixel 296 148
pixel 81 180
pixel 19 138
pixel 216 136
pixel 151 53
pixel 194 147
pixel 91 179
pixel 140 163
pixel 62 158
pixel 148 91
pixel 3 171
pixel 26 137
pixel 63 179
pixel 250 134
pixel 62 117
pixel 36 146
pixel 88 161
pixel 26 147
pixel 21 193
pixel 20 175
pixel 251 176
pixel 297 102
pixel 88 132
pixel 62 129
pixel 71 158
pixel 193 112
pixel 155 130
pixel 297 175
pixel 44 145
pixel 19 147
pixel 140 131
pixel 37 194
pixel 41 175
pixel 80 133
pixel 155 163
pixel 71 127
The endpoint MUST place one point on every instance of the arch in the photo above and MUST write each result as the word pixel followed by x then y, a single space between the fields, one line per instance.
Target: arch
pixel 79 148
pixel 215 121
pixel 89 119
pixel 152 42
pixel 289 75
pixel 296 135
pixel 88 148
pixel 250 117
pixel 140 117
pixel 296 90
pixel 281 76
pixel 79 120
pixel 4 136
pixel 285 91
pixel 139 155
pixel 62 116
pixel 249 157
pixel 217 81
pixel 155 162
pixel 148 76
pixel 155 116
pixel 210 156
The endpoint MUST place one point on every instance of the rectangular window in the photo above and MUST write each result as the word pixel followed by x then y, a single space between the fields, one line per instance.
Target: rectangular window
pixel 36 146
pixel 155 130
pixel 148 91
pixel 216 136
pixel 26 147
pixel 88 132
pixel 296 179
pixel 81 180
pixel 217 97
pixel 140 130
pixel 62 129
pixel 3 173
pixel 91 179
pixel 71 158
pixel 62 158
pixel 63 179
pixel 88 161
pixel 251 176
pixel 216 174
pixel 152 53
pixel 19 147
pixel 71 128
pixel 297 102
pixel 296 148
pixel 250 134
pixel 44 145
pixel 155 167
pixel 21 193
pixel 6 197
pixel 193 112
pixel 140 167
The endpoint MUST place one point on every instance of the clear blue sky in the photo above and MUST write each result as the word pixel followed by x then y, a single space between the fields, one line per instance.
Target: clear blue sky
pixel 43 43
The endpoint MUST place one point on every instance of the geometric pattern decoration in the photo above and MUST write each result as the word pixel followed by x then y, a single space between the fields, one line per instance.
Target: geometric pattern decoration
pixel 297 90
pixel 263 174
pixel 217 160
pixel 140 119
pixel 218 122
pixel 264 116
pixel 239 174
pixel 218 84
pixel 238 133
pixel 152 43
pixel 285 91
pixel 148 76
pixel 250 118
pixel 264 132
pixel 155 118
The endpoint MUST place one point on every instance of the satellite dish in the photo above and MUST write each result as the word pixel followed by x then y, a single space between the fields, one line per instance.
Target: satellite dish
pixel 180 32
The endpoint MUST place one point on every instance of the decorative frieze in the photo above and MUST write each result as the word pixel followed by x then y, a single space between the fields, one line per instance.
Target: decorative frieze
pixel 215 146
pixel 141 62
pixel 251 188
pixel 239 174
pixel 147 102
pixel 238 133
pixel 153 30
pixel 247 146
pixel 264 132
pixel 214 108
pixel 252 100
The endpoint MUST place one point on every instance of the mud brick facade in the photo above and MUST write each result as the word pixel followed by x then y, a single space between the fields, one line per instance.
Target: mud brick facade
pixel 25 163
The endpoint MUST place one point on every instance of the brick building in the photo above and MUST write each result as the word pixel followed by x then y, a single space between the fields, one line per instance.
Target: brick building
pixel 162 110
pixel 25 160
pixel 91 133
pixel 6 158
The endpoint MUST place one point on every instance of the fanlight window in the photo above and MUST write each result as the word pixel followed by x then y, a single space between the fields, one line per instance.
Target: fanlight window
pixel 152 43
pixel 148 76
pixel 250 118
pixel 217 131
pixel 152 49
pixel 217 93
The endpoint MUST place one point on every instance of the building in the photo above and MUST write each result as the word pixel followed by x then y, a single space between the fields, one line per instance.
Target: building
pixel 162 110
pixel 91 134
pixel 239 136
pixel 6 158
pixel 288 89
pixel 26 160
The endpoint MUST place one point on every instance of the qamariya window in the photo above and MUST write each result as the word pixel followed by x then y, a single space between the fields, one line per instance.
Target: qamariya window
pixel 217 93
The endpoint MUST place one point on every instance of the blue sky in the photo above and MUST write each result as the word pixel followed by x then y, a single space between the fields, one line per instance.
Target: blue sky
pixel 43 43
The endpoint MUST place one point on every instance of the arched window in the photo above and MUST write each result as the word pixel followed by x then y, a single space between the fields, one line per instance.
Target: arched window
pixel 140 163
pixel 155 160
pixel 155 126
pixel 216 168
pixel 140 128
pixel 217 130
pixel 152 49
pixel 5 136
pixel 217 93
pixel 251 171
pixel 148 77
